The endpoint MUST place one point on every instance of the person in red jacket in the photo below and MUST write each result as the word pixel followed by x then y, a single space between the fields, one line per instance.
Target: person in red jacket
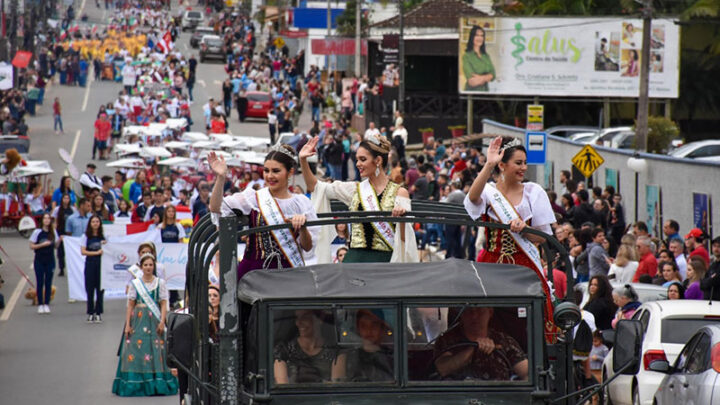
pixel 648 262
pixel 694 244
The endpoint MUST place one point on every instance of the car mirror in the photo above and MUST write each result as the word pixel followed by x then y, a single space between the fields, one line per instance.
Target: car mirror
pixel 179 339
pixel 661 366
pixel 627 347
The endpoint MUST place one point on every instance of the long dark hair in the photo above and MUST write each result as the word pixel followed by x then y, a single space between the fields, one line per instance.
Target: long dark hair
pixel 604 291
pixel 61 212
pixel 88 230
pixel 471 39
pixel 508 152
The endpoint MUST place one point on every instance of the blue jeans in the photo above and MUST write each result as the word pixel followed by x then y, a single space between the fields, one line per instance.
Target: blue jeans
pixel 432 233
pixel 335 171
pixel 316 114
pixel 58 122
pixel 43 277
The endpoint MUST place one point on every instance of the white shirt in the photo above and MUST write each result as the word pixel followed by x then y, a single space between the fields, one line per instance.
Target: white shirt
pixel 90 180
pixel 682 265
pixel 402 133
pixel 372 131
pixel 36 203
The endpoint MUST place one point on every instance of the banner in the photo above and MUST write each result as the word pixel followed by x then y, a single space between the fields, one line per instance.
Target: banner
pixel 596 57
pixel 6 76
pixel 700 211
pixel 653 206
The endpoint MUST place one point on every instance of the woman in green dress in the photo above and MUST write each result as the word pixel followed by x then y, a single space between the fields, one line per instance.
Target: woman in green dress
pixel 476 64
pixel 142 370
pixel 369 242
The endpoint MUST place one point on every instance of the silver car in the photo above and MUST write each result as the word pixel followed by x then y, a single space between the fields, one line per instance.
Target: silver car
pixel 694 378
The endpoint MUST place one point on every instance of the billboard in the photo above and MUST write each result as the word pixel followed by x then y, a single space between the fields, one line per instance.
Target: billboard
pixel 591 57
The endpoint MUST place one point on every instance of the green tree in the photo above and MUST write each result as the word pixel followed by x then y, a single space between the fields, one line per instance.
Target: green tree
pixel 346 20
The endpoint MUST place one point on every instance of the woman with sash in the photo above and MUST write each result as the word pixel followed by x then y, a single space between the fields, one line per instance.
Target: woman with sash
pixel 369 242
pixel 142 370
pixel 512 202
pixel 271 205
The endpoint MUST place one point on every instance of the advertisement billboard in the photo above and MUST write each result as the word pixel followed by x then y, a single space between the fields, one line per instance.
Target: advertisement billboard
pixel 589 57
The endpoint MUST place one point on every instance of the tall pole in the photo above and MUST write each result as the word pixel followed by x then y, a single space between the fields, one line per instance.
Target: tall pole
pixel 358 21
pixel 641 129
pixel 329 33
pixel 401 60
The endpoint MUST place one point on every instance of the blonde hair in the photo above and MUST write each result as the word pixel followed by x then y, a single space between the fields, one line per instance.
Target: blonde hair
pixel 625 255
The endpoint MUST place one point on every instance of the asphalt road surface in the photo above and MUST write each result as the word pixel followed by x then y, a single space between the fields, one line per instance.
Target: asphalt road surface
pixel 57 358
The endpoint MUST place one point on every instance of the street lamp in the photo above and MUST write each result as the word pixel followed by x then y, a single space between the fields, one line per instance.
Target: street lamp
pixel 638 165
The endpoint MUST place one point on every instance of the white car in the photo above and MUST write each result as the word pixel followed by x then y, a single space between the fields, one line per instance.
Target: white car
pixel 667 325
pixel 191 19
pixel 604 135
pixel 708 150
pixel 646 292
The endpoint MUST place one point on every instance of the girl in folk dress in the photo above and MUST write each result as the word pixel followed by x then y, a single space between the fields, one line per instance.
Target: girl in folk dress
pixel 142 370
pixel 270 205
pixel 369 242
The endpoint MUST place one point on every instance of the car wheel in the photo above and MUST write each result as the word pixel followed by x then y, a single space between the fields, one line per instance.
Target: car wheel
pixel 606 391
pixel 635 395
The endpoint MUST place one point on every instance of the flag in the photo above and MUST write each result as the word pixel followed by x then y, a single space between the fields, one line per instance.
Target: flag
pixel 165 44
pixel 94 29
pixel 75 28
pixel 63 35
pixel 138 227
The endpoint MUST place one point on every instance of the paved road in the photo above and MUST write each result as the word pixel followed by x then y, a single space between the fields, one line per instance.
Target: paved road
pixel 58 358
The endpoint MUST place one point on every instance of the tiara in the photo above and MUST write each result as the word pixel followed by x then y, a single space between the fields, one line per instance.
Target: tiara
pixel 278 148
pixel 515 142
pixel 376 144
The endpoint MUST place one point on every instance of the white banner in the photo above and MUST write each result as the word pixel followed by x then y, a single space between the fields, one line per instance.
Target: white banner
pixel 597 57
pixel 6 76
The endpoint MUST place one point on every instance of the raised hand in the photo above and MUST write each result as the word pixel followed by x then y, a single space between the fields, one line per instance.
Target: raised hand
pixel 217 164
pixel 494 153
pixel 309 149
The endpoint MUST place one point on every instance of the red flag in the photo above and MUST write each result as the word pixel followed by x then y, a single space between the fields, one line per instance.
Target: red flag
pixel 137 227
pixel 22 59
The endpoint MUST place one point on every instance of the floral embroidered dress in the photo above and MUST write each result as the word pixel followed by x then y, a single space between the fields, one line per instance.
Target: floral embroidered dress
pixel 142 370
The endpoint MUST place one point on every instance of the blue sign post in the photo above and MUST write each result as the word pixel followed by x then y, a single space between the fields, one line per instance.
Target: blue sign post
pixel 536 146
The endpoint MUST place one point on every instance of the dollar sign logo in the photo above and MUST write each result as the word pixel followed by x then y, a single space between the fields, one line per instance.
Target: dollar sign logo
pixel 519 42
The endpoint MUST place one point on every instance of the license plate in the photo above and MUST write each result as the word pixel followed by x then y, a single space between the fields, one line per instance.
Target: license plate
pixel 257 107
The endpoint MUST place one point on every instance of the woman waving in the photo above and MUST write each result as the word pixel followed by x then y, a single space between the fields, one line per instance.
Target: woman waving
pixel 369 242
pixel 271 205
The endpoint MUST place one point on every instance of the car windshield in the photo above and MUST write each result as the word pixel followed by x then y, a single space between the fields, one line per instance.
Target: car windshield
pixel 194 14
pixel 261 97
pixel 679 330
pixel 683 150
pixel 213 42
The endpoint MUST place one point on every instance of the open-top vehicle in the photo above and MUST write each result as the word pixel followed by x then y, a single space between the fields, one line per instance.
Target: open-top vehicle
pixel 392 331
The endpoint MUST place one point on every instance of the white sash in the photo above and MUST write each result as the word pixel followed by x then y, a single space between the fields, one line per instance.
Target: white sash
pixel 270 210
pixel 505 213
pixel 369 201
pixel 144 294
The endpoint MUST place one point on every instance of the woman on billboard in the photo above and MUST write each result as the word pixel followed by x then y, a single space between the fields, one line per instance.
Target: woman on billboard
pixel 476 64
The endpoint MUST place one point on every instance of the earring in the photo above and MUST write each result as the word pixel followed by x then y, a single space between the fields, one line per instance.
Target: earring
pixel 377 171
pixel 502 176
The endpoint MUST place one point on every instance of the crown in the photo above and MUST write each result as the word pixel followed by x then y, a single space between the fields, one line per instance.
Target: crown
pixel 279 148
pixel 515 142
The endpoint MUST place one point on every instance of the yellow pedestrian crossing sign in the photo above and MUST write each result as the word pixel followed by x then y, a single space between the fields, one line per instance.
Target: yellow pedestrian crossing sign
pixel 587 160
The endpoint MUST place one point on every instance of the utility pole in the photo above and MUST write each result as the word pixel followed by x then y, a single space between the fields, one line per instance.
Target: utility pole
pixel 358 22
pixel 401 60
pixel 327 38
pixel 641 128
pixel 12 35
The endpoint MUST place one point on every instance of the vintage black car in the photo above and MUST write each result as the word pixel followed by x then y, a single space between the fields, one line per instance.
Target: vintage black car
pixel 384 332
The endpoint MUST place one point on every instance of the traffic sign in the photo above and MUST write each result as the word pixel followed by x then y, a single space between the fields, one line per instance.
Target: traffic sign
pixel 536 147
pixel 587 160
pixel 535 113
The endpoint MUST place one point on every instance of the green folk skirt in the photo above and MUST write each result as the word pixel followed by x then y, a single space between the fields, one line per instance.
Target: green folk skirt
pixel 367 256
pixel 142 370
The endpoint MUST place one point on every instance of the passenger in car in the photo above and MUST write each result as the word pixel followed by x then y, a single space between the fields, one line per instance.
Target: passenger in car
pixel 308 358
pixel 372 361
pixel 472 350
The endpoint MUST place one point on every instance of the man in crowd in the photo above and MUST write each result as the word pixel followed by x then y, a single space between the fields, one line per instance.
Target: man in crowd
pixel 710 285
pixel 76 224
pixel 693 242
pixel 108 194
pixel 648 263
pixel 597 256
pixel 671 229
pixel 89 181
pixel 677 248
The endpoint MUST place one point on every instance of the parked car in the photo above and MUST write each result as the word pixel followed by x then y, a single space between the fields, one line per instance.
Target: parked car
pixel 567 130
pixel 622 140
pixel 708 150
pixel 199 33
pixel 605 135
pixel 667 325
pixel 646 292
pixel 694 378
pixel 191 19
pixel 258 104
pixel 582 137
pixel 211 46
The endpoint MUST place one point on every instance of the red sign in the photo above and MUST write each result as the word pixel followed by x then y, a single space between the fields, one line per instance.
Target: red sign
pixel 22 59
pixel 294 34
pixel 339 46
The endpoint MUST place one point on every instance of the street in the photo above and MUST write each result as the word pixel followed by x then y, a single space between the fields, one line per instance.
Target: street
pixel 58 358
